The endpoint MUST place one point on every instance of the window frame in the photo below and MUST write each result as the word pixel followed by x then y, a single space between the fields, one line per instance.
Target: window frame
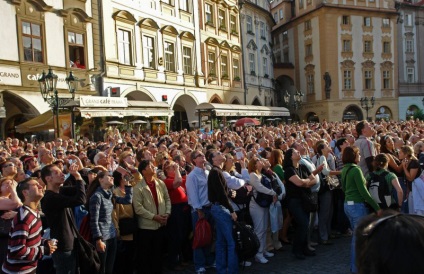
pixel 236 67
pixel 145 38
pixel 224 66
pixel 211 63
pixel 209 13
pixel 347 79
pixel 410 72
pixel 383 24
pixel 345 20
pixel 265 66
pixel 386 79
pixel 344 43
pixel 367 22
pixel 252 65
pixel 368 79
pixel 166 54
pixel 130 45
pixel 409 45
pixel 187 69
pixel 249 24
pixel 368 46
pixel 30 36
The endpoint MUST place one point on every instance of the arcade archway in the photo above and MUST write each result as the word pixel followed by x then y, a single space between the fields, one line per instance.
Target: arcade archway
pixel 312 117
pixel 184 113
pixel 352 113
pixel 283 83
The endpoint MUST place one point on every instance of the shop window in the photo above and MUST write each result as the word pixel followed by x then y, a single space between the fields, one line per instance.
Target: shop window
pixel 32 41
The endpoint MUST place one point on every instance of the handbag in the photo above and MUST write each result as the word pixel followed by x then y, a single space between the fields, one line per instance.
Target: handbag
pixel 127 226
pixel 332 181
pixel 202 234
pixel 309 200
pixel 88 260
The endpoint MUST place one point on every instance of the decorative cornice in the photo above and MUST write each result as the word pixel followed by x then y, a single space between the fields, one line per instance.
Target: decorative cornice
pixel 252 45
pixel 78 12
pixel 40 5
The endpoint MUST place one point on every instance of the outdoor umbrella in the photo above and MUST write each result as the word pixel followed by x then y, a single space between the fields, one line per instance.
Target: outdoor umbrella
pixel 247 122
pixel 138 122
pixel 158 122
pixel 114 123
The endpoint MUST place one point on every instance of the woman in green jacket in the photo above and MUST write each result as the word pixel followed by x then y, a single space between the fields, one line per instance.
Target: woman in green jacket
pixel 356 194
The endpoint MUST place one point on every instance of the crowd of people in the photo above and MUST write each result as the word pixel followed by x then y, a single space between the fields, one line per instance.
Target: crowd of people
pixel 141 196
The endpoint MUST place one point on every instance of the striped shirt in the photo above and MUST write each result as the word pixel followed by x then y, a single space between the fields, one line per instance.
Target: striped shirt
pixel 24 246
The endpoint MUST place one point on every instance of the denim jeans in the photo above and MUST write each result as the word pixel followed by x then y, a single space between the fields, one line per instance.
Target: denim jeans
pixel 354 213
pixel 302 220
pixel 225 244
pixel 405 206
pixel 202 257
pixel 64 262
pixel 107 258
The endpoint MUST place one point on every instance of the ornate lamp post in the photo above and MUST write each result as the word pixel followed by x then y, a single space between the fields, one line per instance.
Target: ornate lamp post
pixel 367 104
pixel 48 83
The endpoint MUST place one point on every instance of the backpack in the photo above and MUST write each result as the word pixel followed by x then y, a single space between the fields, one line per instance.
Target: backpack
pixel 243 196
pixel 84 229
pixel 379 189
pixel 247 243
pixel 262 199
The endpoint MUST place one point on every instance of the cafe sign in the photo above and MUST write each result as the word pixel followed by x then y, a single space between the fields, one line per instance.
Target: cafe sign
pixel 10 76
pixel 101 101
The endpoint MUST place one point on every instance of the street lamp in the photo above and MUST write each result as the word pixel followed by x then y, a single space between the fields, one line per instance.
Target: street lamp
pixel 48 83
pixel 298 98
pixel 367 104
pixel 286 97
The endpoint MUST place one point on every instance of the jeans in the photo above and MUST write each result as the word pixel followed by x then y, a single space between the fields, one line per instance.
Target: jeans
pixel 354 213
pixel 64 262
pixel 226 256
pixel 405 207
pixel 325 214
pixel 302 220
pixel 202 257
pixel 107 258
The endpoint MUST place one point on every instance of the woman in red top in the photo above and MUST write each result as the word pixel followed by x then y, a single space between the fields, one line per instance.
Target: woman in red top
pixel 179 223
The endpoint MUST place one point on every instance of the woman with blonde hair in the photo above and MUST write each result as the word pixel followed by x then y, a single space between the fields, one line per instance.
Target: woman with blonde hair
pixel 9 201
pixel 411 168
pixel 260 215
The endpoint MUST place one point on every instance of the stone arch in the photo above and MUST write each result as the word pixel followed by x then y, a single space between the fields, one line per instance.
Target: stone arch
pixel 79 13
pixel 282 84
pixel 170 30
pixel 352 112
pixel 184 105
pixel 312 117
pixel 40 5
pixel 235 101
pixel 225 45
pixel 140 94
pixel 256 101
pixel 187 35
pixel 212 41
pixel 216 99
pixel 235 49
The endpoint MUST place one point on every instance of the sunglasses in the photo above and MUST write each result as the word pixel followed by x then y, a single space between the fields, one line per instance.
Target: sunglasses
pixel 199 155
pixel 8 165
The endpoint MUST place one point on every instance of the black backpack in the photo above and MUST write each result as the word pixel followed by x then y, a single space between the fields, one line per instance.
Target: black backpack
pixel 379 189
pixel 262 199
pixel 243 196
pixel 247 243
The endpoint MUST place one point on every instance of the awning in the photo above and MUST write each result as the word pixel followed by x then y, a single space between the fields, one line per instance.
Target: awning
pixel 42 122
pixel 242 110
pixel 135 108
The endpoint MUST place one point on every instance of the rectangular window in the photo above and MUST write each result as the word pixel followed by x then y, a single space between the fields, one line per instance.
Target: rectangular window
pixel 347 79
pixel 368 79
pixel 286 56
pixel 367 46
pixel 311 84
pixel 386 22
pixel 386 79
pixel 76 49
pixel 276 16
pixel 408 20
pixel 308 25
pixel 149 52
pixel 224 66
pixel 211 63
pixel 409 46
pixel 252 63
pixel 209 14
pixel 236 68
pixel 263 35
pixel 346 20
pixel 187 63
pixel 169 2
pixel 308 50
pixel 265 66
pixel 32 42
pixel 249 24
pixel 184 5
pixel 285 36
pixel 233 23
pixel 281 14
pixel 300 4
pixel 410 75
pixel 386 47
pixel 124 47
pixel 169 56
pixel 347 46
pixel 221 19
pixel 367 21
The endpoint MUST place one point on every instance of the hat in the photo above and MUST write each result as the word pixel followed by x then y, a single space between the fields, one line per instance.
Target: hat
pixel 26 158
pixel 230 145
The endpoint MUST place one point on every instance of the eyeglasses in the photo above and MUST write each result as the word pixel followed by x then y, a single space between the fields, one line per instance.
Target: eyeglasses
pixel 369 229
pixel 8 165
pixel 199 155
pixel 59 153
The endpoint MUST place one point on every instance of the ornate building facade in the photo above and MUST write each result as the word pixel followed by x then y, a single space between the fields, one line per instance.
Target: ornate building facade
pixel 335 53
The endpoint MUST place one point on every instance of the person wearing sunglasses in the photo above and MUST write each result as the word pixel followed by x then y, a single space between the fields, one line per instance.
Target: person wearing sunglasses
pixel 8 169
pixel 391 243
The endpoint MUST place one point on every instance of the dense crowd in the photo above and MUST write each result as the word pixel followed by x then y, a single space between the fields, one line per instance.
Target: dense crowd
pixel 137 198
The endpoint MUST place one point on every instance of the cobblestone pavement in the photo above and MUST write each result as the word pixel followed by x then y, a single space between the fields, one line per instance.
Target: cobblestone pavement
pixel 334 259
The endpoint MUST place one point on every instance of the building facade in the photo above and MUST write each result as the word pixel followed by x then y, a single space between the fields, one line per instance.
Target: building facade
pixel 257 23
pixel 410 40
pixel 36 36
pixel 336 53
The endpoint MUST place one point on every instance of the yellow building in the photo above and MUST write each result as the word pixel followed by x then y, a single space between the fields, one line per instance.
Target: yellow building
pixel 335 53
